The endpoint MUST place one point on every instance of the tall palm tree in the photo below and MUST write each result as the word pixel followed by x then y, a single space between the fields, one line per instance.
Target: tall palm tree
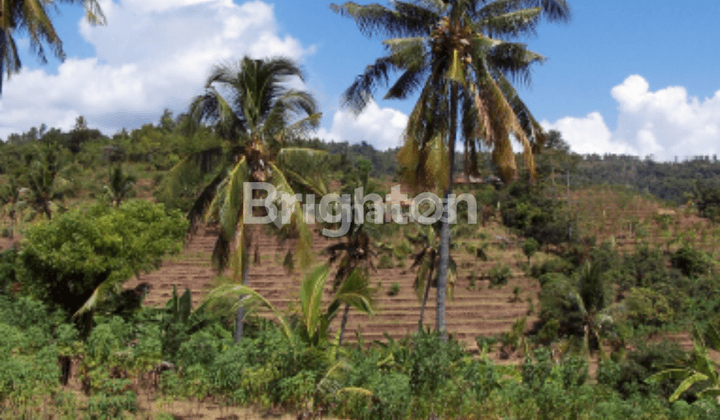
pixel 252 106
pixel 461 56
pixel 31 17
pixel 355 254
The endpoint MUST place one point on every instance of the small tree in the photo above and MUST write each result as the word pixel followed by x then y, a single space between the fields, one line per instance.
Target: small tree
pixel 529 247
pixel 74 260
pixel 120 185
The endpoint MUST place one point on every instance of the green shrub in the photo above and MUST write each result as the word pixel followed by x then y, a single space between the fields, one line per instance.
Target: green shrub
pixel 386 262
pixel 554 265
pixel 499 275
pixel 691 262
pixel 646 306
pixel 549 332
pixel 627 377
pixel 394 290
pixel 113 400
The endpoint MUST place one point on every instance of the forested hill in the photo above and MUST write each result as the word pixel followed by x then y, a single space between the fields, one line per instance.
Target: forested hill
pixel 676 182
pixel 163 144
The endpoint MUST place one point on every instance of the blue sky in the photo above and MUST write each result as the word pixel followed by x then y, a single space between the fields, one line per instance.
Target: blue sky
pixel 622 77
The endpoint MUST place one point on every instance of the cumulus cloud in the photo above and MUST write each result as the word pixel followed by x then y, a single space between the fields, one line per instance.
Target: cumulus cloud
pixel 380 127
pixel 665 123
pixel 152 54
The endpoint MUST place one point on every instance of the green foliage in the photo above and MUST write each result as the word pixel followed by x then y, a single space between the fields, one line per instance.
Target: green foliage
pixel 530 211
pixel 120 185
pixel 627 376
pixel 699 373
pixel 78 256
pixel 499 275
pixel 553 265
pixel 707 200
pixel 529 247
pixel 582 305
pixel 649 307
pixel 394 289
pixel 112 401
pixel 386 262
pixel 691 262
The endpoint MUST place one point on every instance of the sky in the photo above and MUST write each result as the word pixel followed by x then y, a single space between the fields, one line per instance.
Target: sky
pixel 630 77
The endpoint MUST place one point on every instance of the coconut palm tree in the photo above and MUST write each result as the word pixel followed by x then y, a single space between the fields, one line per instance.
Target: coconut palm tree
pixel 355 254
pixel 31 18
pixel 120 185
pixel 583 306
pixel 461 56
pixel 45 183
pixel 251 105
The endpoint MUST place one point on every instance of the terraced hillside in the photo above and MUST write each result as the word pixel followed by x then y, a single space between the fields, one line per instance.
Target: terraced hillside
pixel 474 311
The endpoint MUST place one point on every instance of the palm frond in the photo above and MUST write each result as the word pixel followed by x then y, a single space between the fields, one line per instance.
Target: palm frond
pixel 407 19
pixel 251 299
pixel 303 249
pixel 311 292
pixel 355 291
pixel 511 25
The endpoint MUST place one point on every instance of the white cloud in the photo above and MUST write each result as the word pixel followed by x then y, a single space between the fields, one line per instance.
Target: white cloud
pixel 665 123
pixel 380 127
pixel 152 54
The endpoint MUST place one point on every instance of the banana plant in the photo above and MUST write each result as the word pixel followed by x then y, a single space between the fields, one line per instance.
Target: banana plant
pixel 699 370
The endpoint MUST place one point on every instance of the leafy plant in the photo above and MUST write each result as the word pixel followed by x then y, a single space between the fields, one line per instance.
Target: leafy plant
pixel 499 275
pixel 529 247
pixel 394 289
pixel 699 370
pixel 581 305
pixel 120 185
pixel 74 260
pixel 314 324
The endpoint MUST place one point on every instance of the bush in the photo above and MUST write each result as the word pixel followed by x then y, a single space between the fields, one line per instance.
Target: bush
pixel 531 212
pixel 691 262
pixel 394 290
pixel 648 307
pixel 554 265
pixel 499 275
pixel 627 377
pixel 386 262
pixel 114 399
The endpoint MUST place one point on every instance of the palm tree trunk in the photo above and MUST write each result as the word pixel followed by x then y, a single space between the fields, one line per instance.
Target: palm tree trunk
pixel 240 315
pixel 426 293
pixel 444 261
pixel 343 323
